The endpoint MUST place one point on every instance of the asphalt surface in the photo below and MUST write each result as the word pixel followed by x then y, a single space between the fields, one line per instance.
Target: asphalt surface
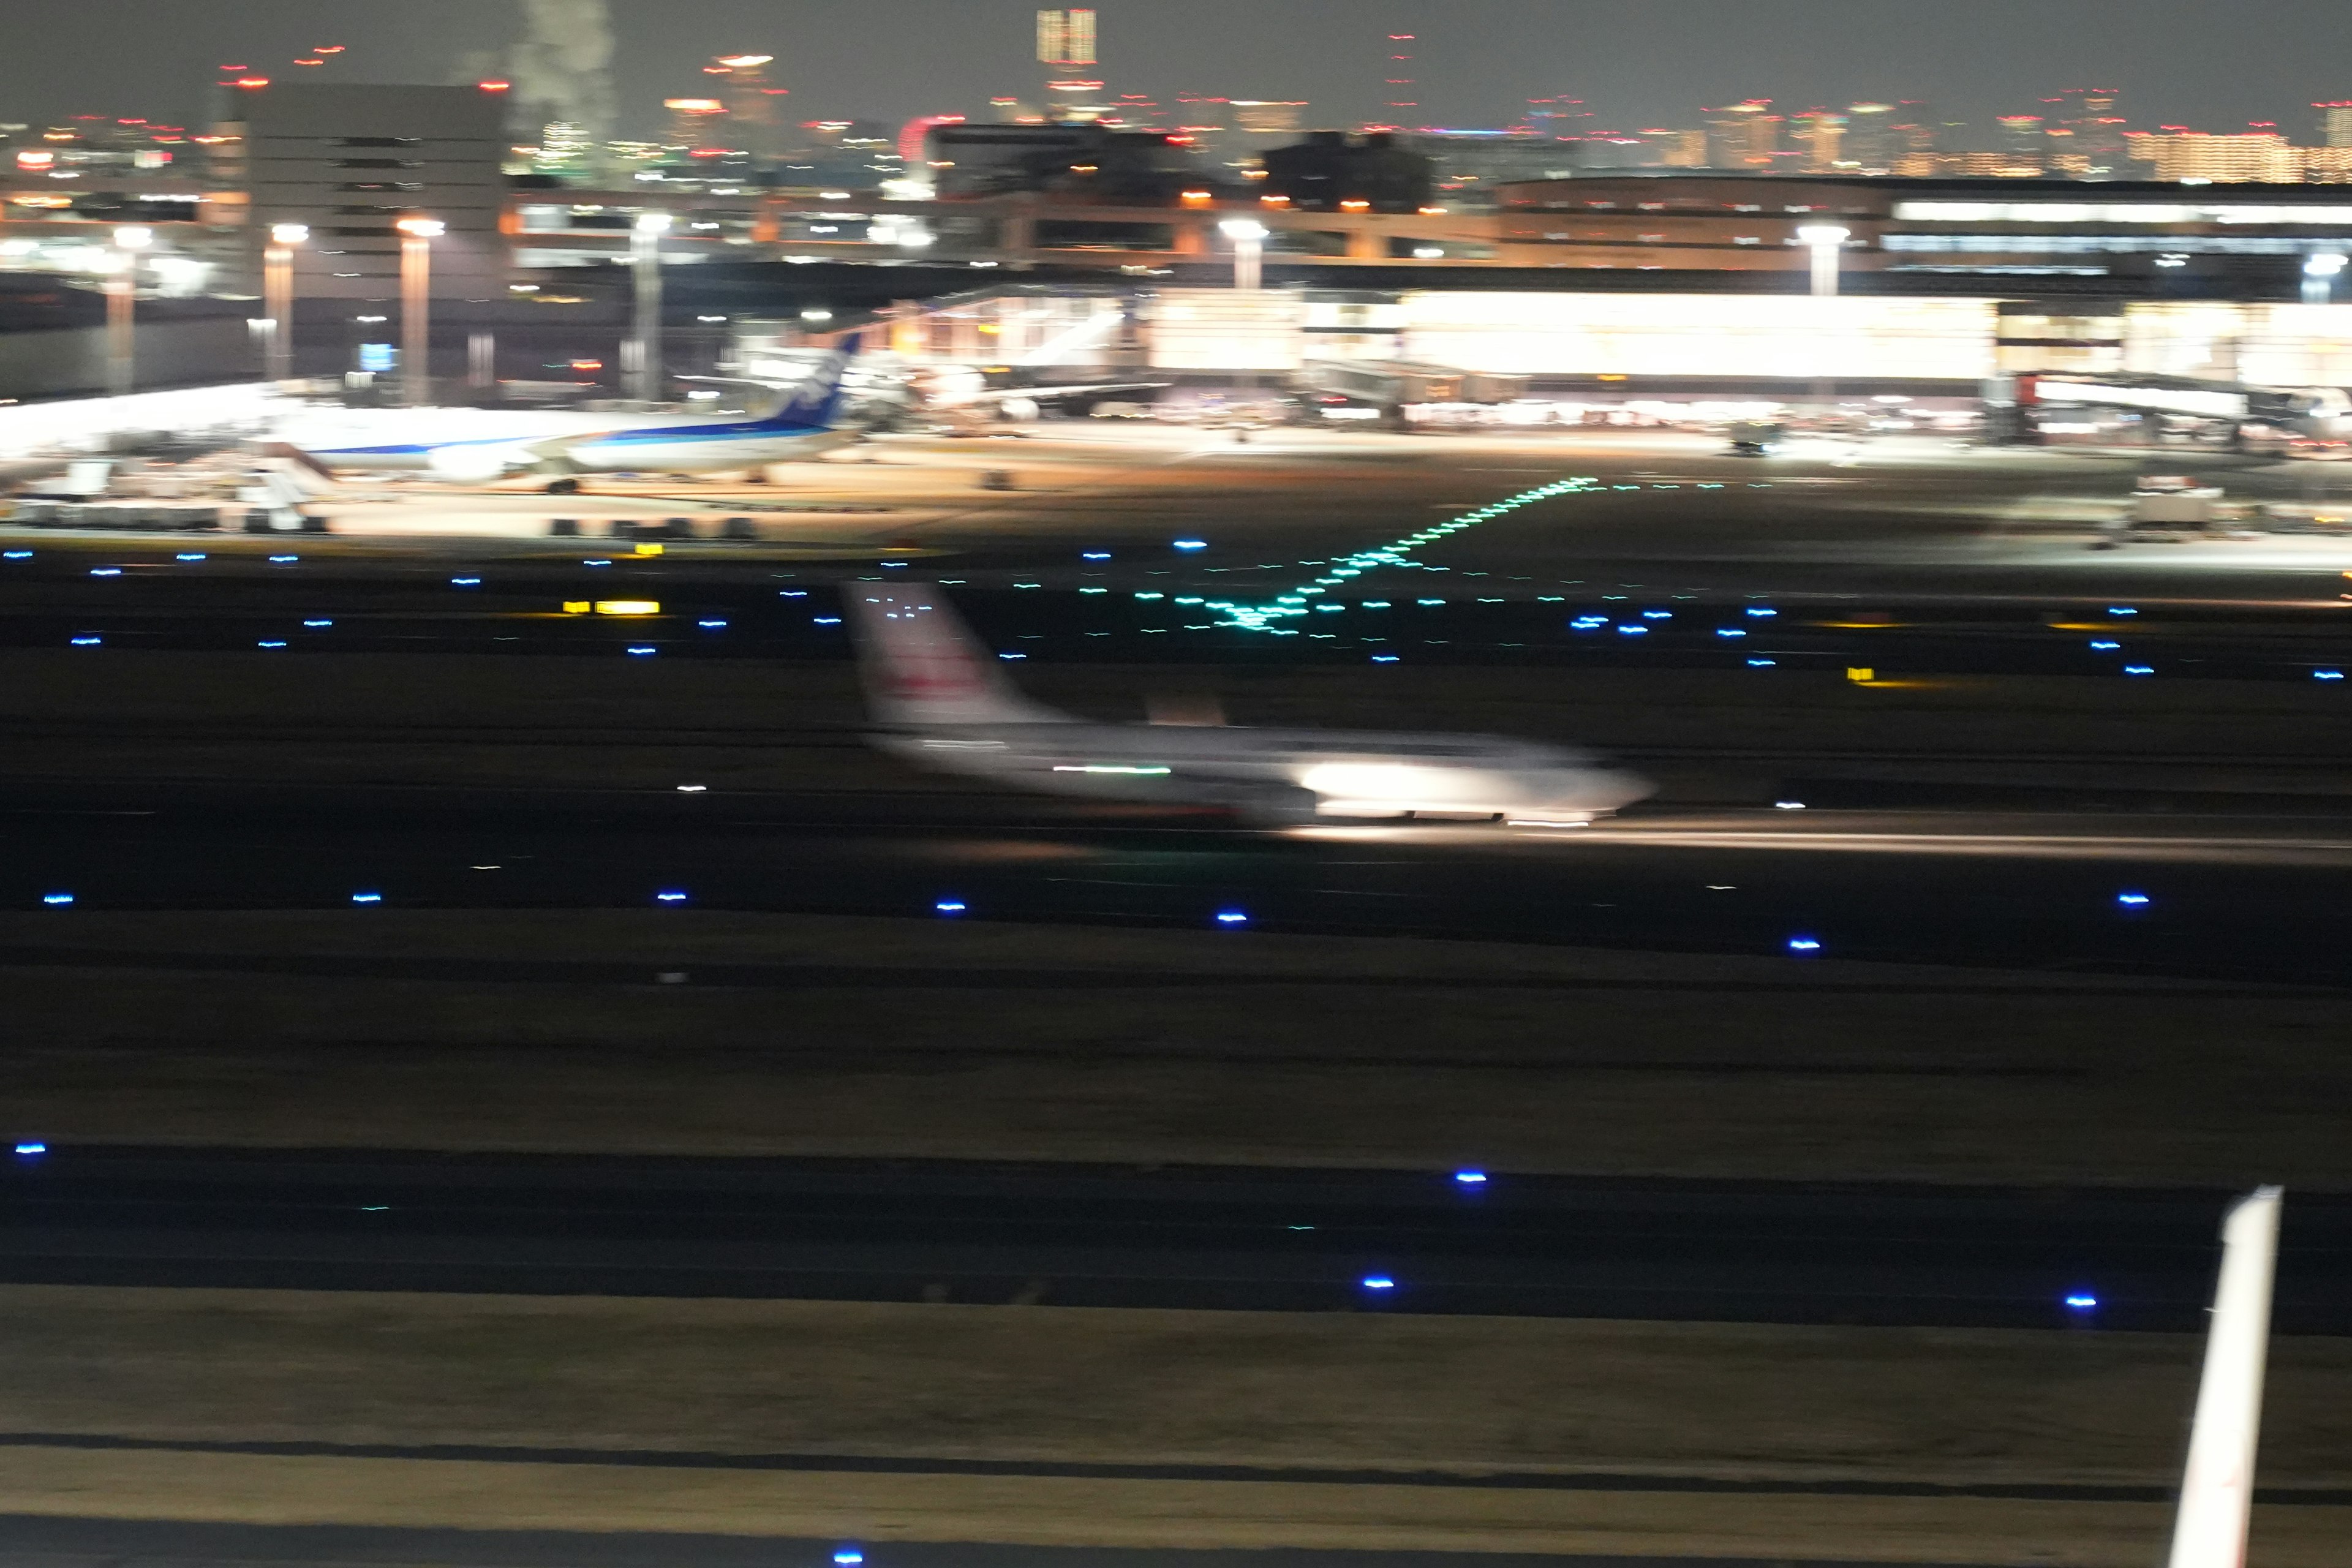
pixel 1078 1235
pixel 2223 897
pixel 34 1542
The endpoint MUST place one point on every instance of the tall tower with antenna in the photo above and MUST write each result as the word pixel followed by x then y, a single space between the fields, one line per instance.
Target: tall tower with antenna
pixel 1400 95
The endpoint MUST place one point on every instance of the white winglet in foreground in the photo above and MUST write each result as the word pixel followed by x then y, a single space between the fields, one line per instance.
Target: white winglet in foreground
pixel 2217 1488
pixel 942 699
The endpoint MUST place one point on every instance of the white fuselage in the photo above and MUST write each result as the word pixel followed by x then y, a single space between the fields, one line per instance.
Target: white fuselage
pixel 1292 774
pixel 476 444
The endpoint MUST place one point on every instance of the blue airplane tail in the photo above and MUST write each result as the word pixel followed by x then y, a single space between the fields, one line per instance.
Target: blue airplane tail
pixel 815 404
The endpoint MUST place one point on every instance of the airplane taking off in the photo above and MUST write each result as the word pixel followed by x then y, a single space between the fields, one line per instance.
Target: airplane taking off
pixel 805 421
pixel 941 700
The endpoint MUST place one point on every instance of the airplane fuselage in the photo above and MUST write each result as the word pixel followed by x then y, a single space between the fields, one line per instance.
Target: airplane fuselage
pixel 1281 774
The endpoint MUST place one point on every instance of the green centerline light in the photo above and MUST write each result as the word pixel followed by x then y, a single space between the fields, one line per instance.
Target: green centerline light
pixel 1266 616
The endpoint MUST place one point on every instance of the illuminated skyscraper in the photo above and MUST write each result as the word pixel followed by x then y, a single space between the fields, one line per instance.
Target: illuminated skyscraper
pixel 1067 47
pixel 2021 136
pixel 1821 133
pixel 2094 128
pixel 1743 135
pixel 1870 143
pixel 694 122
pixel 2334 123
pixel 754 105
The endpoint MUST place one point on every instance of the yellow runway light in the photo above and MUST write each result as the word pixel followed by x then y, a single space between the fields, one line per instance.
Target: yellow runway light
pixel 628 606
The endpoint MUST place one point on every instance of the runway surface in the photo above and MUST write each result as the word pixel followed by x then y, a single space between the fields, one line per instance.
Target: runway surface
pixel 34 1542
pixel 1122 1236
pixel 2221 898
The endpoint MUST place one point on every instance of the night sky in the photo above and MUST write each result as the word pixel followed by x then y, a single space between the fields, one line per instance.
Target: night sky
pixel 1638 62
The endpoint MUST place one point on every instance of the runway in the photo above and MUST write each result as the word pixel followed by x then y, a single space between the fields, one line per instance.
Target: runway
pixel 2223 897
pixel 1234 1239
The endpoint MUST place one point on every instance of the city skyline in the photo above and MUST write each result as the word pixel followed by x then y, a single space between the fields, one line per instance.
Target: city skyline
pixel 1477 62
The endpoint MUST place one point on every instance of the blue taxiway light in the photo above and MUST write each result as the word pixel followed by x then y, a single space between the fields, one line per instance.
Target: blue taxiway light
pixel 1011 656
pixel 848 1557
pixel 1763 663
pixel 828 620
pixel 1379 1282
pixel 1471 1178
pixel 1730 632
pixel 643 652
pixel 316 625
pixel 1804 944
pixel 2101 646
pixel 891 565
pixel 595 563
pixel 464 581
pixel 88 641
pixel 2121 610
pixel 792 592
pixel 16 555
pixel 950 907
pixel 284 559
pixel 712 626
pixel 2133 901
pixel 1191 544
pixel 1761 614
pixel 671 898
pixel 191 555
pixel 269 644
pixel 106 571
pixel 32 1148
pixel 2083 1302
pixel 367 898
pixel 2139 669
pixel 1384 658
pixel 2326 675
pixel 57 900
pixel 1231 918
pixel 1095 555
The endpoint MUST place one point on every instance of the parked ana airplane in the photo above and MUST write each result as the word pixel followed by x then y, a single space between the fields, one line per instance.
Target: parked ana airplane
pixel 941 700
pixel 804 421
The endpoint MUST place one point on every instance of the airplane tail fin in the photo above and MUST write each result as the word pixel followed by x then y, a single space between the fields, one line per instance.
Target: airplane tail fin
pixel 922 666
pixel 308 472
pixel 815 404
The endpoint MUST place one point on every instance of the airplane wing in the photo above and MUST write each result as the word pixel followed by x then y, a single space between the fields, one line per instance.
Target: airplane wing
pixel 2217 1485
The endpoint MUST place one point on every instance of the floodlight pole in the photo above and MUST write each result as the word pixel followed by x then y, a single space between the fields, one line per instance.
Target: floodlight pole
pixel 416 238
pixel 278 296
pixel 121 305
pixel 644 367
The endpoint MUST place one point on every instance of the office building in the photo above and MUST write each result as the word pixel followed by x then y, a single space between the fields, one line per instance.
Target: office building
pixel 1067 46
pixel 2255 155
pixel 2093 125
pixel 695 124
pixel 1331 171
pixel 754 105
pixel 2334 123
pixel 1083 163
pixel 349 161
pixel 1743 135
pixel 1822 135
pixel 1871 143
